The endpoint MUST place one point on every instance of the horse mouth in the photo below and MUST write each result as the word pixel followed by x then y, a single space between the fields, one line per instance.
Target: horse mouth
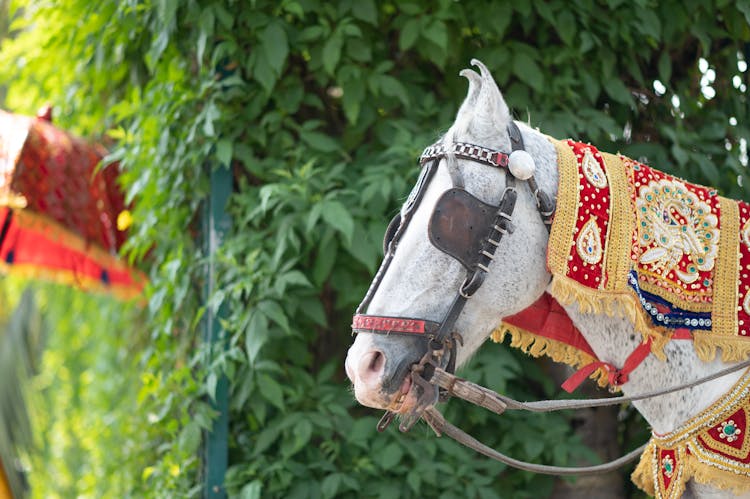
pixel 404 400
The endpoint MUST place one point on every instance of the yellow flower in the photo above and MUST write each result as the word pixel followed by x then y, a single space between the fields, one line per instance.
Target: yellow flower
pixel 124 220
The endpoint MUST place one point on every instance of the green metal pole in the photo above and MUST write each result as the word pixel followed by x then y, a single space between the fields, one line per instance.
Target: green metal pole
pixel 216 225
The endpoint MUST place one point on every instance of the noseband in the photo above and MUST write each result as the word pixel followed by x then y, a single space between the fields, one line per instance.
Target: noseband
pixel 468 230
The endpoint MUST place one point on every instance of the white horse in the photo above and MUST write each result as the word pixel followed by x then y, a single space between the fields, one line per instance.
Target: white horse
pixel 421 281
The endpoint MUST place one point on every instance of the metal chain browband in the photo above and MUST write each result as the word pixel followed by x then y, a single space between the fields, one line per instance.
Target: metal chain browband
pixel 464 150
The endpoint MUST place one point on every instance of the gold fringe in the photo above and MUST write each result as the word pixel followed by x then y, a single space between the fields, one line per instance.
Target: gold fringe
pixel 614 304
pixel 643 474
pixel 558 351
pixel 708 475
pixel 733 349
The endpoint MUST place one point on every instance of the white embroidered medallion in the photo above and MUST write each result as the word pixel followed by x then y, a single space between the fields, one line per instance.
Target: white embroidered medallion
pixel 589 243
pixel 674 222
pixel 593 170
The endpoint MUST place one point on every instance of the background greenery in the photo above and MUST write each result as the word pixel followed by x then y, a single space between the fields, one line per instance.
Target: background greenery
pixel 320 109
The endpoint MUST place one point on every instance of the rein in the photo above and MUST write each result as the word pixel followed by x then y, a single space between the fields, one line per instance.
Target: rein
pixel 432 377
pixel 497 403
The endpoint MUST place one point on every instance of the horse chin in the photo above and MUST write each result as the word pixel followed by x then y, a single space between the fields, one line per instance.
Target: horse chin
pixel 400 402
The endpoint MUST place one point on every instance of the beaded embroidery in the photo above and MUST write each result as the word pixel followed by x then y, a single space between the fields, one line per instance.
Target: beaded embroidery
pixel 589 243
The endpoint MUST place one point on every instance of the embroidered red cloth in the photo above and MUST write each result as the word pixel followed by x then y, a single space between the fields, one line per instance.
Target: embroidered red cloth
pixel 628 239
pixel 58 212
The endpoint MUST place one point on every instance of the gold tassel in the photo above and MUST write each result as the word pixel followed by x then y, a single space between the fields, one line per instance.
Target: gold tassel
pixel 536 346
pixel 643 475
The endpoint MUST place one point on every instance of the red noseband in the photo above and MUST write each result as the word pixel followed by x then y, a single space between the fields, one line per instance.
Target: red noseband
pixel 386 325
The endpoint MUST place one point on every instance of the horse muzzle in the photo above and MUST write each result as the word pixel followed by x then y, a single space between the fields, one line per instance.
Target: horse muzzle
pixel 381 374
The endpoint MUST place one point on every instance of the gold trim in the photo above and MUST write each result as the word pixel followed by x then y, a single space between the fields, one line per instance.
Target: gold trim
pixel 621 225
pixel 727 274
pixel 561 236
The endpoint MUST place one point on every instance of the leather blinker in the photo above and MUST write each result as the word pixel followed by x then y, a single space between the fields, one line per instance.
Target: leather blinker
pixel 458 225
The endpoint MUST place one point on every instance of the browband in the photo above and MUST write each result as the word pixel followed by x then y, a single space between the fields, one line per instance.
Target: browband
pixel 464 150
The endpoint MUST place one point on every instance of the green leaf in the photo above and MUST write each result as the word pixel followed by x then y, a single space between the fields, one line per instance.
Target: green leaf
pixel 390 456
pixel 190 438
pixel 533 447
pixel 330 485
pixel 437 33
pixel 263 72
pixel 414 479
pixel 528 70
pixel 271 390
pixel 744 7
pixel 273 311
pixel 256 335
pixel 224 152
pixel 275 46
pixel 332 52
pixel 302 433
pixel 393 88
pixel 665 67
pixel 265 439
pixel 354 93
pixel 409 33
pixel 319 141
pixel 325 259
pixel 337 216
pixel 211 381
pixel 616 89
pixel 566 26
pixel 252 490
pixel 364 249
pixel 366 11
pixel 649 24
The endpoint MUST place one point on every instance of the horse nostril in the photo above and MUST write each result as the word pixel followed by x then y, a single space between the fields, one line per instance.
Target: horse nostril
pixel 376 362
pixel 371 367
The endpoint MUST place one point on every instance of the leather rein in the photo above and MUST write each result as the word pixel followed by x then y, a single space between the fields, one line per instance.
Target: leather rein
pixel 433 376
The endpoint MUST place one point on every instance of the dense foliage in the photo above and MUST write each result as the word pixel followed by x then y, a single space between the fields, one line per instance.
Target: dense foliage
pixel 320 109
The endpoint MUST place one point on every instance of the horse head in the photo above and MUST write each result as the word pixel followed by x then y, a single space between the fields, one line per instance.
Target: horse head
pixel 455 264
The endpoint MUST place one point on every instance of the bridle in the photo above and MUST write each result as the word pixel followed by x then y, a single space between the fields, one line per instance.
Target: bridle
pixel 473 242
pixel 474 245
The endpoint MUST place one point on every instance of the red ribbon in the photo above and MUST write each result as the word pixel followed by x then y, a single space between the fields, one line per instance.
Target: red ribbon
pixel 616 377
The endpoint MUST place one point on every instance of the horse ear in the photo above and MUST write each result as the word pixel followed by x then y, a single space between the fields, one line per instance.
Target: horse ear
pixel 475 85
pixel 490 109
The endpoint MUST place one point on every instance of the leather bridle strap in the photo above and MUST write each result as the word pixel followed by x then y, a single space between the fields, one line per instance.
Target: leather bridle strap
pixel 497 403
pixel 442 427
